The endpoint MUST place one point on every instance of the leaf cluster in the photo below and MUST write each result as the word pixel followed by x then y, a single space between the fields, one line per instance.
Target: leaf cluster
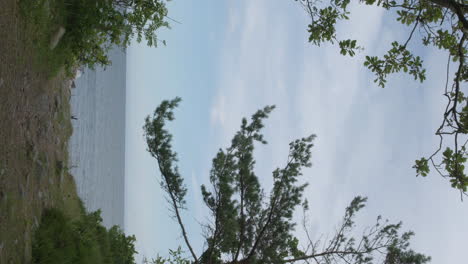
pixel 397 59
pixel 59 239
pixel 93 27
pixel 159 146
pixel 175 257
pixel 441 24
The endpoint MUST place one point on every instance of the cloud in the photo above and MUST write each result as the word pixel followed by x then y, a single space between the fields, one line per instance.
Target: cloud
pixel 367 137
pixel 218 111
pixel 253 72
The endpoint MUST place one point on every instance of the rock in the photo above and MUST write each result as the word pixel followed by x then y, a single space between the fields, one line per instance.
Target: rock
pixel 78 73
pixel 56 37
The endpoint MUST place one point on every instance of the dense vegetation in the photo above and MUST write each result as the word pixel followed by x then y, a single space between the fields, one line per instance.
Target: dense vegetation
pixel 91 27
pixel 58 239
pixel 249 225
pixel 35 123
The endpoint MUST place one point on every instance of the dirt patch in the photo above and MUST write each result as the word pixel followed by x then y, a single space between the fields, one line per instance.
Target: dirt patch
pixel 34 132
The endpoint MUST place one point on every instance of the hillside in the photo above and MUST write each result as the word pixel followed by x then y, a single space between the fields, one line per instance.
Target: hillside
pixel 34 132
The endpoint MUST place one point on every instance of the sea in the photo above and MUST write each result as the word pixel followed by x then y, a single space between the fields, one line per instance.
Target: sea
pixel 97 146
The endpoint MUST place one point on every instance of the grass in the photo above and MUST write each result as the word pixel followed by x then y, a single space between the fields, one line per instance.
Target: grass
pixel 86 40
pixel 44 17
pixel 37 193
pixel 35 129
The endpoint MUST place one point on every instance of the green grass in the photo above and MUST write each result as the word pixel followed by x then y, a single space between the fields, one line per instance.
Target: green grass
pixel 35 128
pixel 44 17
pixel 86 40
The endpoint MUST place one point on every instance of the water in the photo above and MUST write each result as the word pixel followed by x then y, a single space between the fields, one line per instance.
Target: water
pixel 97 146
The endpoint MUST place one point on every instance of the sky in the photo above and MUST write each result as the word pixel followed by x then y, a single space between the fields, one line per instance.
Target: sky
pixel 226 59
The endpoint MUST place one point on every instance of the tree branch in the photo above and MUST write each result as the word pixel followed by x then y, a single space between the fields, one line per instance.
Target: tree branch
pixel 176 211
pixel 270 215
pixel 459 9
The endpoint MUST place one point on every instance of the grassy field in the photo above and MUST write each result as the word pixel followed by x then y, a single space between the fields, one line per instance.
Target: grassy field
pixel 34 131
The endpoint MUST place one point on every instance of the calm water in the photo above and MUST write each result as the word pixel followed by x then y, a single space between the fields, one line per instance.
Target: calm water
pixel 97 146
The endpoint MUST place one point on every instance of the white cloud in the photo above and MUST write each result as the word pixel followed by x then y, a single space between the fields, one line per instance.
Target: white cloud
pixel 252 72
pixel 367 137
pixel 218 112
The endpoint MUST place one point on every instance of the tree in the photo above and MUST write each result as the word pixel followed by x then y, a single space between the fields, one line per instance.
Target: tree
pixel 91 27
pixel 122 247
pixel 247 225
pixel 60 239
pixel 108 22
pixel 442 24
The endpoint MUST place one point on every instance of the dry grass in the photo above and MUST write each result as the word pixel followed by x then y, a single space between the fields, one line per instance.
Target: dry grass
pixel 34 132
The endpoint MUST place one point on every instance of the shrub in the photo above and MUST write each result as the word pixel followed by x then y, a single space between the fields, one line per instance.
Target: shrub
pixel 59 239
pixel 92 27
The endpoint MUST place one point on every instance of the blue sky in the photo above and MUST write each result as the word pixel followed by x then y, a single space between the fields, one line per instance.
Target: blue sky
pixel 228 59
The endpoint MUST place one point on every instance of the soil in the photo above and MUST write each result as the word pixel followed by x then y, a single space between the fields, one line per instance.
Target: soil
pixel 34 132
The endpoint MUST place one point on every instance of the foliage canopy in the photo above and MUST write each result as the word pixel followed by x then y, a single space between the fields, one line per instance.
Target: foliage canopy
pixel 440 23
pixel 92 27
pixel 249 225
pixel 59 239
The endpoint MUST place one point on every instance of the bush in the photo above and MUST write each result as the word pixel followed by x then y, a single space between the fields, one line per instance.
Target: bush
pixel 58 239
pixel 92 27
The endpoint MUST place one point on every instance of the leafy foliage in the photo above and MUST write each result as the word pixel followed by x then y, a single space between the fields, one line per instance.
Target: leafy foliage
pixel 442 24
pixel 246 225
pixel 58 239
pixel 92 27
pixel 159 146
pixel 175 257
pixel 122 247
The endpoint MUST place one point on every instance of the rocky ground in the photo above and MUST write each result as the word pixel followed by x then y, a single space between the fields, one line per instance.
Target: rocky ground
pixel 34 132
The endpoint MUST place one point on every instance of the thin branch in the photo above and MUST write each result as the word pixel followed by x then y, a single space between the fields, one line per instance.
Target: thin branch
pixel 175 207
pixel 269 219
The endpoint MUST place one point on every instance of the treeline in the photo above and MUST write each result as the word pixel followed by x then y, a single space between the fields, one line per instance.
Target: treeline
pixel 59 239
